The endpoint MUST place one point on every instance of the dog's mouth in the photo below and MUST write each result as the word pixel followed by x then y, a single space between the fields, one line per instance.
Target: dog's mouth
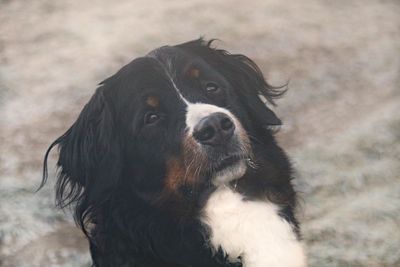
pixel 228 168
pixel 227 162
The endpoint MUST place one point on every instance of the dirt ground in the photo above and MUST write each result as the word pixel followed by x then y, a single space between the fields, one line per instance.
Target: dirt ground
pixel 341 114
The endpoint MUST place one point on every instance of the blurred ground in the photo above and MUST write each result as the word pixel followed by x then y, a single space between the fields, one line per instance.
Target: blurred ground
pixel 341 114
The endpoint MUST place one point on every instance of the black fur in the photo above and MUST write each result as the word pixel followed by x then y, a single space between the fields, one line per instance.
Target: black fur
pixel 111 166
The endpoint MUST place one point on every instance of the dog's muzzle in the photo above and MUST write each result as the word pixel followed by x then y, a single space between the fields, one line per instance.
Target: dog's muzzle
pixel 221 141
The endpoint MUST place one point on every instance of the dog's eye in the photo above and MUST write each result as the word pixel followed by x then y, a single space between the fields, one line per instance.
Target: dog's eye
pixel 151 118
pixel 212 87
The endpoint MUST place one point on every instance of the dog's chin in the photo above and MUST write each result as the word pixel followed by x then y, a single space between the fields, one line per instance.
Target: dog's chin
pixel 230 173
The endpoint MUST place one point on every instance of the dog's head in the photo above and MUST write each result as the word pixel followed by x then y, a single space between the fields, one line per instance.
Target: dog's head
pixel 181 120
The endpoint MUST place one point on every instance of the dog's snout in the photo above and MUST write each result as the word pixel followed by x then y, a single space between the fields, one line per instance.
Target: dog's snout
pixel 215 129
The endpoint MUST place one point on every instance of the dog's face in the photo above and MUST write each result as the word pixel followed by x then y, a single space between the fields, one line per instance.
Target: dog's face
pixel 181 120
pixel 181 123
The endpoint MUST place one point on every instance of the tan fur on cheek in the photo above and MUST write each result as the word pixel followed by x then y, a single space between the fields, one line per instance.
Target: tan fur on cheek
pixel 172 196
pixel 175 175
pixel 185 169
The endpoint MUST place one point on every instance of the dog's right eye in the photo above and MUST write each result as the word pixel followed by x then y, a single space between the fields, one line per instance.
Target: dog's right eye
pixel 212 88
pixel 151 118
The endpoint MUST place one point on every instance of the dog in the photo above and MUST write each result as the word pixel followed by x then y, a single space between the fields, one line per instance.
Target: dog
pixel 173 163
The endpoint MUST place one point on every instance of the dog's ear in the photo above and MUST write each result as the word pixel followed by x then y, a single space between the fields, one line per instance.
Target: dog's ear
pixel 252 87
pixel 249 84
pixel 89 159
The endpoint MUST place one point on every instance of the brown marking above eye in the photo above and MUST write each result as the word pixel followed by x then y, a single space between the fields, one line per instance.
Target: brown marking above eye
pixel 153 101
pixel 193 73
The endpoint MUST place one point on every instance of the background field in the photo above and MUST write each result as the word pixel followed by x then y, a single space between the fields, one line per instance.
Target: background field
pixel 341 115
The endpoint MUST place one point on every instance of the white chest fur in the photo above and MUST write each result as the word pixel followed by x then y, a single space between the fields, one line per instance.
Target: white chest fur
pixel 252 230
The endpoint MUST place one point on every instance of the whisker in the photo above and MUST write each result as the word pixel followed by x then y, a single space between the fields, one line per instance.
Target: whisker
pixel 254 138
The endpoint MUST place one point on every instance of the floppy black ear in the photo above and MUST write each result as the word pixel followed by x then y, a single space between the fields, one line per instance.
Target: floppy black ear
pixel 249 83
pixel 89 159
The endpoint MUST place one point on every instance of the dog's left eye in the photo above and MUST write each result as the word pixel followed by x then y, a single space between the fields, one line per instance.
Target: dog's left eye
pixel 151 118
pixel 212 87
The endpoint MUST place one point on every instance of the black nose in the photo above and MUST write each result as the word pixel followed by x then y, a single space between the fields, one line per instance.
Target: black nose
pixel 215 129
